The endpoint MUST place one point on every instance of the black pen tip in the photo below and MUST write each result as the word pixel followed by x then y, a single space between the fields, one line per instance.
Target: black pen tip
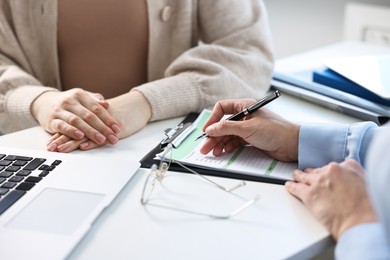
pixel 199 137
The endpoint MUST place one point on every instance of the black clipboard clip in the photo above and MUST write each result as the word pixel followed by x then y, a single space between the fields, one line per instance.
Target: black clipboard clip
pixel 177 135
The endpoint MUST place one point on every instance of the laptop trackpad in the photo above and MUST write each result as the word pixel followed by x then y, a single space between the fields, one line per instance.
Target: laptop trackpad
pixel 56 211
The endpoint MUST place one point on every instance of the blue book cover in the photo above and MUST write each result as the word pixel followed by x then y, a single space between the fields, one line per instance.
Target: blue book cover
pixel 332 79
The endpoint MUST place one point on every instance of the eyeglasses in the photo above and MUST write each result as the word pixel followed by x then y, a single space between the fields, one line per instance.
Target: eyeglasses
pixel 156 177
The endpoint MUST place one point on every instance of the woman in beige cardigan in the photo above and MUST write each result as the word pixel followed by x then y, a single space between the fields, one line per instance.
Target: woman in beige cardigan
pixel 92 72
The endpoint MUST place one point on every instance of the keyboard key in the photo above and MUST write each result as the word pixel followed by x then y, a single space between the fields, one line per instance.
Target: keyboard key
pixel 23 173
pixel 43 167
pixel 25 186
pixel 33 179
pixel 5 163
pixel 2 179
pixel 56 162
pixel 43 173
pixel 16 179
pixel 2 155
pixel 6 174
pixel 19 163
pixel 3 191
pixel 17 157
pixel 50 168
pixel 34 164
pixel 10 199
pixel 8 185
pixel 13 168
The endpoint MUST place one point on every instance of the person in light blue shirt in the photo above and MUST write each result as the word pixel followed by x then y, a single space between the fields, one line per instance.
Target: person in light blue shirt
pixel 343 175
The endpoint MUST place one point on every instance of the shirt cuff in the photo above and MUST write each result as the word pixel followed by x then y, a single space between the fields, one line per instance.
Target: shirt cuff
pixel 365 241
pixel 320 144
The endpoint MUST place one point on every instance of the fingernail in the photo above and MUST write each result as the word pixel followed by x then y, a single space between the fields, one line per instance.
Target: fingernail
pixel 50 140
pixel 62 147
pixel 52 147
pixel 115 128
pixel 84 145
pixel 113 139
pixel 79 134
pixel 100 138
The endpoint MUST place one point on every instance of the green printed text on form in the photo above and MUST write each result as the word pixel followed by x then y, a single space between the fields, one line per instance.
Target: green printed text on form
pixel 233 158
pixel 271 167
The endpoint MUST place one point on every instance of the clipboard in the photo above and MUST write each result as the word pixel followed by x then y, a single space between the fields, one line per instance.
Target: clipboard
pixel 172 134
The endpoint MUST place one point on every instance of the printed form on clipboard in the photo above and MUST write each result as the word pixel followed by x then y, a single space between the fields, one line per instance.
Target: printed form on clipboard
pixel 244 160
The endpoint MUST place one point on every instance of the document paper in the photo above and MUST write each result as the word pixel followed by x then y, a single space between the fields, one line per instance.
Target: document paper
pixel 245 160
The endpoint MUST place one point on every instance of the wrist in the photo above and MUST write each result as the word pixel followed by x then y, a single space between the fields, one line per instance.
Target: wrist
pixel 37 104
pixel 362 216
pixel 144 107
pixel 132 110
pixel 294 142
pixel 288 146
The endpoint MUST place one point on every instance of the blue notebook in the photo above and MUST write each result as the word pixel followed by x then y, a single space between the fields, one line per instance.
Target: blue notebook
pixel 366 76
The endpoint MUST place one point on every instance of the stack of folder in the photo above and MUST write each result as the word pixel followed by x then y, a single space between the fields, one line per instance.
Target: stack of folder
pixel 330 96
pixel 367 77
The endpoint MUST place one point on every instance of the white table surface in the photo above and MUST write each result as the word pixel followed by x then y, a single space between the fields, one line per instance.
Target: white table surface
pixel 276 227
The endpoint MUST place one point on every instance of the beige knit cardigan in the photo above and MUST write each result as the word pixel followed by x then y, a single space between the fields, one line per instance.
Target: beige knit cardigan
pixel 200 51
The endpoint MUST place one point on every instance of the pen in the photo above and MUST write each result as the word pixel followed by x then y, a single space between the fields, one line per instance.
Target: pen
pixel 253 108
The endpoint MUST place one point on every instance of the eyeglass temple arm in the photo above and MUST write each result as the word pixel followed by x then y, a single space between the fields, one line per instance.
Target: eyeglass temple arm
pixel 232 214
pixel 242 183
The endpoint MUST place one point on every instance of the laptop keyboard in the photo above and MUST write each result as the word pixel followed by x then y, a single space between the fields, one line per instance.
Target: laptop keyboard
pixel 18 175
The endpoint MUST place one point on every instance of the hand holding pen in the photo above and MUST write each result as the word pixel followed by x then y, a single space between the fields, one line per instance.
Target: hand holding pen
pixel 251 109
pixel 265 130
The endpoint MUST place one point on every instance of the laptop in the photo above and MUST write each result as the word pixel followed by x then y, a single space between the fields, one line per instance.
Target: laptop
pixel 49 201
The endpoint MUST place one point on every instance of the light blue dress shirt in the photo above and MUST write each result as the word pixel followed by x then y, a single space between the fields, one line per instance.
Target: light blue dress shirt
pixel 320 144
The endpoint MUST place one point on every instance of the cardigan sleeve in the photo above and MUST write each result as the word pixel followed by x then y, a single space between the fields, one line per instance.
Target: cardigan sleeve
pixel 233 60
pixel 17 91
pixel 23 49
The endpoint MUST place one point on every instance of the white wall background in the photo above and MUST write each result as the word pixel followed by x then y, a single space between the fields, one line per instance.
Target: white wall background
pixel 300 25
